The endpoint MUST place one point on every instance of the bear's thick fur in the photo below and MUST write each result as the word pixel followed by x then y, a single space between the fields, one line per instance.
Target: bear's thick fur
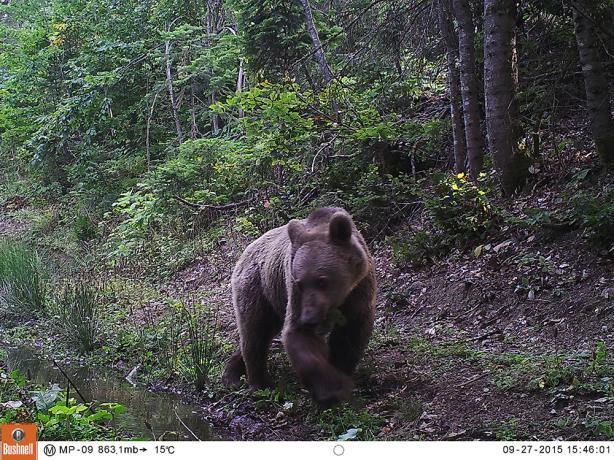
pixel 312 279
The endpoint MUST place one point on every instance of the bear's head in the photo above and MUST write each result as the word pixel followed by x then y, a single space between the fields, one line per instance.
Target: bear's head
pixel 328 262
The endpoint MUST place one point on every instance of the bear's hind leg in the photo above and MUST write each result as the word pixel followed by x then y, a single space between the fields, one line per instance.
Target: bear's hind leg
pixel 235 368
pixel 256 337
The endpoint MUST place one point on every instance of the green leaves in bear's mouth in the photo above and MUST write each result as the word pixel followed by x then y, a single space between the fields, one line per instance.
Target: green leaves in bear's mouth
pixel 336 318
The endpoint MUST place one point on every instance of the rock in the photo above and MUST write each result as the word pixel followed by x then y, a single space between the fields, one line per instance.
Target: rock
pixel 416 287
pixel 11 405
pixel 131 377
pixel 288 405
pixel 503 245
pixel 246 425
pixel 454 435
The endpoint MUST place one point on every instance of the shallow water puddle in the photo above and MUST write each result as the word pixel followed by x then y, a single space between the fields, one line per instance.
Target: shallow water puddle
pixel 163 412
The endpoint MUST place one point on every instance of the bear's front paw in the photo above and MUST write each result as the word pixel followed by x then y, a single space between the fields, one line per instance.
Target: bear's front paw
pixel 333 390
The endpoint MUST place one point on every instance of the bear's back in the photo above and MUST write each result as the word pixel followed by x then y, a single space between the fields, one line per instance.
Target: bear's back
pixel 265 262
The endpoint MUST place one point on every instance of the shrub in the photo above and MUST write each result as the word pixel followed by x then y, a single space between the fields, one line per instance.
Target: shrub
pixel 603 429
pixel 461 208
pixel 83 227
pixel 377 204
pixel 344 423
pixel 507 430
pixel 418 248
pixel 22 278
pixel 203 171
pixel 460 213
pixel 595 213
pixel 139 211
pixel 211 171
pixel 44 222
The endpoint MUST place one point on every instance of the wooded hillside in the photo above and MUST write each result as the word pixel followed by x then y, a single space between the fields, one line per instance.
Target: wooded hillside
pixel 144 144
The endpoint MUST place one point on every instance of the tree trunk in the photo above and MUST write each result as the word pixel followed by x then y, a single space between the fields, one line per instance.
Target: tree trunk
pixel 211 29
pixel 327 75
pixel 171 91
pixel 240 73
pixel 240 82
pixel 458 127
pixel 502 124
pixel 194 129
pixel 148 131
pixel 595 82
pixel 215 120
pixel 469 87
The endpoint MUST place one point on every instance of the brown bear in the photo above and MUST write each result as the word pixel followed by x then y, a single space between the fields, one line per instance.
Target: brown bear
pixel 312 279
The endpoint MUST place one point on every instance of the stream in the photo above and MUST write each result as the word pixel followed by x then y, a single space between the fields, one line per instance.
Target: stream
pixel 163 412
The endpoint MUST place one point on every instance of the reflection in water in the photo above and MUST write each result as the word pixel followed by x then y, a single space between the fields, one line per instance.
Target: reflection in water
pixel 159 410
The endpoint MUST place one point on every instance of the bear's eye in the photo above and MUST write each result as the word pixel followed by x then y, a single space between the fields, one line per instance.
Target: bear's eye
pixel 321 283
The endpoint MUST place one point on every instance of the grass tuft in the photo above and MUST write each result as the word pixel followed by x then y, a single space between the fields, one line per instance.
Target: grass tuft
pixel 77 305
pixel 22 279
pixel 201 353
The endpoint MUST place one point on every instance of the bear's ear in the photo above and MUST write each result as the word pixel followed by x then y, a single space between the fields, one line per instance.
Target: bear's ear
pixel 340 228
pixel 295 231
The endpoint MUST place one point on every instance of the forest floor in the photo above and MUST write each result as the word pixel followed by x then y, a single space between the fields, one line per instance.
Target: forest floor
pixel 513 344
pixel 512 339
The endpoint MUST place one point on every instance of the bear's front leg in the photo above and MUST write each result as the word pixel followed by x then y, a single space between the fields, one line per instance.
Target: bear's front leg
pixel 308 354
pixel 349 340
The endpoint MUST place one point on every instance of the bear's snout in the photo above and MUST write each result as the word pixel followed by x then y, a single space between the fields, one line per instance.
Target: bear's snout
pixel 312 316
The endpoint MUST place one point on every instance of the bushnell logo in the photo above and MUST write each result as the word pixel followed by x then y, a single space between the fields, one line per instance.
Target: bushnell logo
pixel 18 442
